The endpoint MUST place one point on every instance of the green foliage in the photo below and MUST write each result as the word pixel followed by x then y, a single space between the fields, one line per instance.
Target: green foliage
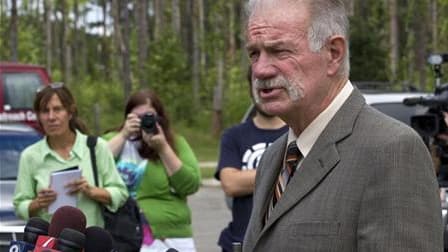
pixel 30 46
pixel 169 76
pixel 107 96
pixel 443 34
pixel 368 54
pixel 205 146
pixel 207 172
pixel 30 39
pixel 237 99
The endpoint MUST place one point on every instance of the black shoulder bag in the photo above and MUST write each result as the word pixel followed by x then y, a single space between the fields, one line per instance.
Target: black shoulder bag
pixel 125 224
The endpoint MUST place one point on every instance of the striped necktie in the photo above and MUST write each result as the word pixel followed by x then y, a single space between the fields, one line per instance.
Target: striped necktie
pixel 292 158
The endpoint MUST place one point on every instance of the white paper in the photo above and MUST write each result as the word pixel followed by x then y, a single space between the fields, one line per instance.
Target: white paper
pixel 58 181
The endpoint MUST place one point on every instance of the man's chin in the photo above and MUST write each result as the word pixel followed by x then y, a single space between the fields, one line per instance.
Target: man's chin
pixel 273 108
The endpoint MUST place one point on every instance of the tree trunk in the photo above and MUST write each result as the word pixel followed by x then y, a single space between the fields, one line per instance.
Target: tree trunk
pixel 76 47
pixel 231 29
pixel 142 40
pixel 420 29
pixel 202 51
pixel 196 56
pixel 13 32
pixel 244 59
pixel 48 35
pixel 187 29
pixel 218 97
pixel 394 39
pixel 120 10
pixel 434 26
pixel 104 49
pixel 58 36
pixel 67 44
pixel 176 16
pixel 159 16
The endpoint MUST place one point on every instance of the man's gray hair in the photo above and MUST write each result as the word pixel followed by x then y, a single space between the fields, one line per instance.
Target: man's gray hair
pixel 328 18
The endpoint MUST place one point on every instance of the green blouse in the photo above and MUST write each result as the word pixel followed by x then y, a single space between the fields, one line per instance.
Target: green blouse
pixel 38 161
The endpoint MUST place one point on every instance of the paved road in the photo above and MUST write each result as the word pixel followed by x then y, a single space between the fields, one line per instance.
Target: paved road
pixel 210 215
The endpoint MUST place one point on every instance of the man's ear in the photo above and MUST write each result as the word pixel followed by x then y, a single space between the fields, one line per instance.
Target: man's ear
pixel 336 53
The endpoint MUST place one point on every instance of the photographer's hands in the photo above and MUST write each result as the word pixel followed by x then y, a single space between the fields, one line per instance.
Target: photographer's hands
pixel 131 126
pixel 130 129
pixel 167 155
pixel 155 141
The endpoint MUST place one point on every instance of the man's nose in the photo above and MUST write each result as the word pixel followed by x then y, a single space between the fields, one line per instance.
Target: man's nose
pixel 264 67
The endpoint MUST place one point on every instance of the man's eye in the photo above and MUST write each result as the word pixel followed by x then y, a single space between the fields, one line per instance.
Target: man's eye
pixel 279 51
pixel 253 55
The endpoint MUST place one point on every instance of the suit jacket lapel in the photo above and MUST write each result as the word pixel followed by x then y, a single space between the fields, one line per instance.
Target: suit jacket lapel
pixel 322 158
pixel 270 176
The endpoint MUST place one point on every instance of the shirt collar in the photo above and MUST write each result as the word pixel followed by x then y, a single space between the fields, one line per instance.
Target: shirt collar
pixel 308 137
pixel 76 149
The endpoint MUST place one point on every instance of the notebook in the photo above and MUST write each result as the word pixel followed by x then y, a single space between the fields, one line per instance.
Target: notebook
pixel 58 181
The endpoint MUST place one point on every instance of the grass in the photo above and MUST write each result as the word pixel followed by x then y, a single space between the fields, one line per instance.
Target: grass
pixel 207 172
pixel 205 147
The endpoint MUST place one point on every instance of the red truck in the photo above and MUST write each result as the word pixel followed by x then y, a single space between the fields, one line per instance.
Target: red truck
pixel 18 86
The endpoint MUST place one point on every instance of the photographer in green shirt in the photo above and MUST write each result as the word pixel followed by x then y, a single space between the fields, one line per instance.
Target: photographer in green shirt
pixel 159 169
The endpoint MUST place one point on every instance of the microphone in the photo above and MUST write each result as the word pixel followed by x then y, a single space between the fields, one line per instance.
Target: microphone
pixel 67 217
pixel 41 249
pixel 172 250
pixel 71 240
pixel 33 228
pixel 98 240
pixel 427 101
pixel 412 101
pixel 63 217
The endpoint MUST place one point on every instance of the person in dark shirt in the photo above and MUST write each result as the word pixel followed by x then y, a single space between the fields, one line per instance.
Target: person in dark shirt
pixel 241 149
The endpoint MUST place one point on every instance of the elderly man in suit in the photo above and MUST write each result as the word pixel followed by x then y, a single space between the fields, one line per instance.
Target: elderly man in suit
pixel 346 177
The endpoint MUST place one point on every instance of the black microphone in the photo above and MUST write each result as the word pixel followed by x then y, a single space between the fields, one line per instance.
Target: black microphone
pixel 172 250
pixel 98 240
pixel 412 101
pixel 33 228
pixel 428 101
pixel 70 240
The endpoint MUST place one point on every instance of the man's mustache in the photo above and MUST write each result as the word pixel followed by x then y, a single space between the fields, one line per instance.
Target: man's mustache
pixel 277 82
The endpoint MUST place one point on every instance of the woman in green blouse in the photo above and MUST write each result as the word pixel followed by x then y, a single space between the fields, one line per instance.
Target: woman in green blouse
pixel 64 146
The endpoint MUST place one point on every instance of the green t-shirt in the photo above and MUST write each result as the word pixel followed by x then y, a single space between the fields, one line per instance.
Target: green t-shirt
pixel 163 199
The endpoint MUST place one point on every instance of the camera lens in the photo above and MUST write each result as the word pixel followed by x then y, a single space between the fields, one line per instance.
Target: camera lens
pixel 149 123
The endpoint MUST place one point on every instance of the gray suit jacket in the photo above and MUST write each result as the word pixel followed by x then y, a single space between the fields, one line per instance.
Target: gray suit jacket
pixel 367 185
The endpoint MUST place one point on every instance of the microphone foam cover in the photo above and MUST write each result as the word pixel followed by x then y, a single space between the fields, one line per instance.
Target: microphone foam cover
pixel 71 238
pixel 67 217
pixel 98 240
pixel 34 227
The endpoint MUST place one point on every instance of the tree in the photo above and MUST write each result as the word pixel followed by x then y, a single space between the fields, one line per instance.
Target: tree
pixel 394 38
pixel 143 39
pixel 13 31
pixel 48 34
pixel 120 14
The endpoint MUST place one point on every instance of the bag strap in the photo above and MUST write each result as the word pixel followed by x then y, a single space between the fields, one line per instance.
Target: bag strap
pixel 91 143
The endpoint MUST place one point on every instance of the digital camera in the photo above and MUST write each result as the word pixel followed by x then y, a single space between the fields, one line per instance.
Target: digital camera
pixel 149 123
